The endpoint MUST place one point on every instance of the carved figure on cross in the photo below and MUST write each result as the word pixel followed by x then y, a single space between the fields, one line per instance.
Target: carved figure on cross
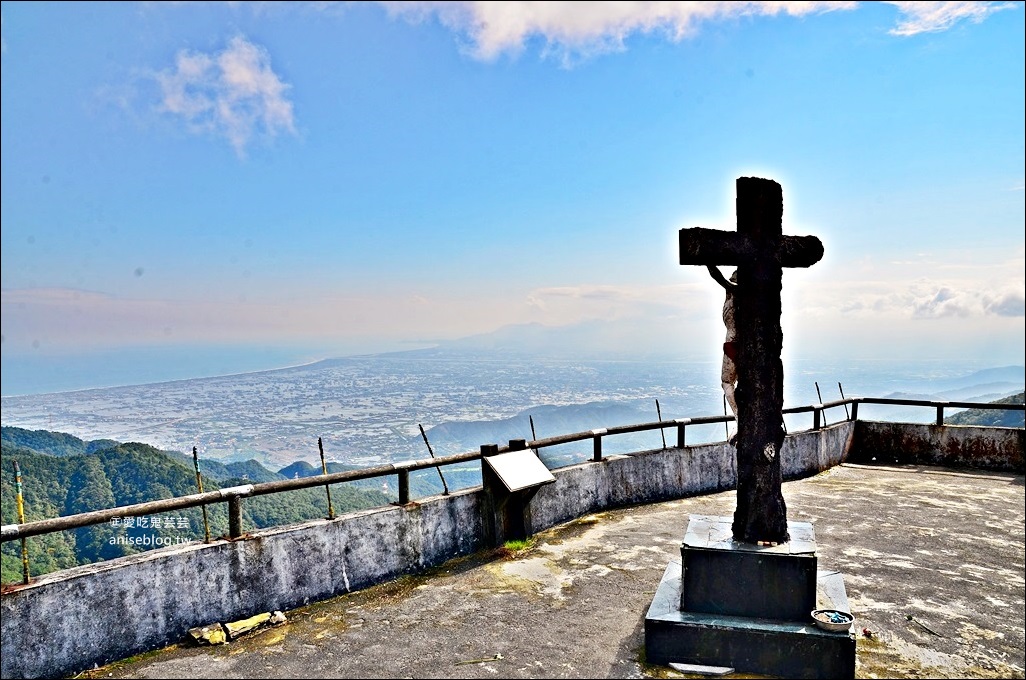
pixel 760 251
pixel 728 370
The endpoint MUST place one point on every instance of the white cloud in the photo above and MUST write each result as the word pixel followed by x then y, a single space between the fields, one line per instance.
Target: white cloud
pixel 1007 303
pixel 572 29
pixel 581 29
pixel 941 305
pixel 945 302
pixel 234 93
pixel 918 300
pixel 931 17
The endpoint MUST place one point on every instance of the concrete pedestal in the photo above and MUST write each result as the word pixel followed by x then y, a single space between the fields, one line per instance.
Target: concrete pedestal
pixel 748 607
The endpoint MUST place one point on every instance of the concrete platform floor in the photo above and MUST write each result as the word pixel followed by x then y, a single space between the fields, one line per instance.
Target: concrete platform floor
pixel 945 547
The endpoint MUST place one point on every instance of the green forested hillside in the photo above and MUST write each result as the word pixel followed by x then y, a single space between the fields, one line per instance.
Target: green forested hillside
pixel 992 417
pixel 53 443
pixel 252 471
pixel 66 476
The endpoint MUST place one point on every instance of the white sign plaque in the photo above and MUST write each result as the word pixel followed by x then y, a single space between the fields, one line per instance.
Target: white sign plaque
pixel 519 469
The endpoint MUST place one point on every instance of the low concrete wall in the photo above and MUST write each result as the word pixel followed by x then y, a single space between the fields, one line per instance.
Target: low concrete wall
pixel 69 621
pixel 991 448
pixel 808 453
pixel 666 474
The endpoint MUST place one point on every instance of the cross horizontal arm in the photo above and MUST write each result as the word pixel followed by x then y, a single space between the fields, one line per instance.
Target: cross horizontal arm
pixel 713 246
pixel 716 247
pixel 799 251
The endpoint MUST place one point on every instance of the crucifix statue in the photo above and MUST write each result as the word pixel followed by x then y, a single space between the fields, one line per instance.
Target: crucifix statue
pixel 760 251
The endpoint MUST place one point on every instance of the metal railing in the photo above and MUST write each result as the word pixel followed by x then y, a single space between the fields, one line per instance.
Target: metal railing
pixel 233 495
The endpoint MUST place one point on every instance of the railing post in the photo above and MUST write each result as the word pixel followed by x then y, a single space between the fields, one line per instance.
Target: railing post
pixel 682 424
pixel 517 444
pixel 234 496
pixel 815 419
pixel 402 471
pixel 854 410
pixel 404 487
pixel 597 439
pixel 940 414
pixel 235 516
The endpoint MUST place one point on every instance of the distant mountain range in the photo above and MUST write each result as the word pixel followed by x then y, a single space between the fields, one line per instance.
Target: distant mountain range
pixel 990 382
pixel 988 385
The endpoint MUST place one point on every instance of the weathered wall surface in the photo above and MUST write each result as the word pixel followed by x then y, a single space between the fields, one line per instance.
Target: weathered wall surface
pixel 808 453
pixel 991 448
pixel 665 474
pixel 645 477
pixel 71 620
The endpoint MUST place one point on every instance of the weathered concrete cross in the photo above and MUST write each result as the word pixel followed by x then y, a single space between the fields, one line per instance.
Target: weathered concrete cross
pixel 759 250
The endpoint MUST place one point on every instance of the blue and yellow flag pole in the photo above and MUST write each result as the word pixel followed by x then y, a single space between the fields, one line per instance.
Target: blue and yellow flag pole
pixel 21 520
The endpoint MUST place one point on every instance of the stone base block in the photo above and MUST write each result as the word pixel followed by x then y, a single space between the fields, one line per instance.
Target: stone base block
pixel 728 578
pixel 749 645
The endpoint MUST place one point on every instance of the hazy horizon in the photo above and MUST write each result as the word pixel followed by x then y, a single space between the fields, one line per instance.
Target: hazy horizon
pixel 154 365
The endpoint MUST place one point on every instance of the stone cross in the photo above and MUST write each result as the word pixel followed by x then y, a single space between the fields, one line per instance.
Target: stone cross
pixel 759 250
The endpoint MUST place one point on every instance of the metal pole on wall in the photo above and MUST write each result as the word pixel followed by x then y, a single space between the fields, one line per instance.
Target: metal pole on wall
pixel 445 487
pixel 327 487
pixel 726 427
pixel 534 436
pixel 21 520
pixel 820 397
pixel 199 485
pixel 659 414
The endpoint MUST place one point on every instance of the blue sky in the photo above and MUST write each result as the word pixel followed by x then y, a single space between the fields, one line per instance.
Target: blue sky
pixel 289 182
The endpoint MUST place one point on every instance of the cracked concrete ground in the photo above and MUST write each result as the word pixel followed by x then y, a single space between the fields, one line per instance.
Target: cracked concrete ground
pixel 943 546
